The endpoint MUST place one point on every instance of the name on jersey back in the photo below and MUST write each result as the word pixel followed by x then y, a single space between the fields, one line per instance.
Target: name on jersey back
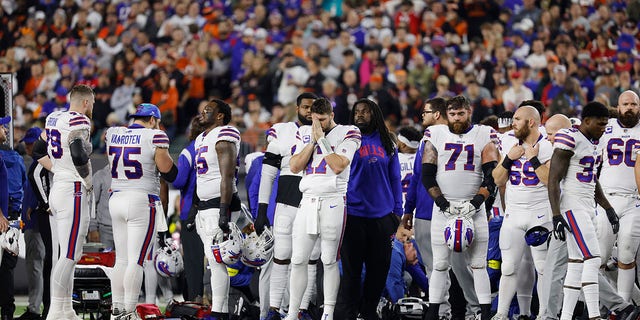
pixel 125 139
pixel 52 122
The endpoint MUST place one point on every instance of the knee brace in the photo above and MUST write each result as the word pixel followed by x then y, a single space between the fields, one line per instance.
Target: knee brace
pixel 590 270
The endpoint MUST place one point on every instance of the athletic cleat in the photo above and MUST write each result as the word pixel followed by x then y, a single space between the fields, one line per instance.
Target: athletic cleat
pixel 273 315
pixel 628 313
pixel 523 317
pixel 500 316
pixel 304 315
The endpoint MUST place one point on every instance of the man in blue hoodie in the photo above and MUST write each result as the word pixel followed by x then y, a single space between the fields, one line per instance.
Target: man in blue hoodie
pixel 374 207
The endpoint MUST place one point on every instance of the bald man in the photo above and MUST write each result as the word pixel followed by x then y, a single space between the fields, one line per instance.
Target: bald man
pixel 556 263
pixel 524 171
pixel 620 140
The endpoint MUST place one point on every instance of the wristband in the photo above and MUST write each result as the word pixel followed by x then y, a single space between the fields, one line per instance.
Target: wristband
pixel 535 163
pixel 507 162
pixel 477 200
pixel 442 203
pixel 224 209
pixel 325 146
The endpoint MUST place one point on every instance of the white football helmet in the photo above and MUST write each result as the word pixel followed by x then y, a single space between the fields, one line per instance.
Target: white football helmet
pixel 229 251
pixel 458 233
pixel 168 260
pixel 9 240
pixel 410 308
pixel 257 250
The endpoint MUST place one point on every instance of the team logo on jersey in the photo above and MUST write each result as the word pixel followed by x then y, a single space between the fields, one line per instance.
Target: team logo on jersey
pixel 608 129
pixel 306 139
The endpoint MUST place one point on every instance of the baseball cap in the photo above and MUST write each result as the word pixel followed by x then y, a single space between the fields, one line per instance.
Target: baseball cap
pixel 146 110
pixel 32 135
pixel 5 120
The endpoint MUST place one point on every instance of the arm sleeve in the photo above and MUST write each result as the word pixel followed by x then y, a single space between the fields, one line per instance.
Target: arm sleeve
pixel 268 175
pixel 410 201
pixel 184 169
pixel 395 283
pixel 396 183
pixel 418 276
pixel 255 186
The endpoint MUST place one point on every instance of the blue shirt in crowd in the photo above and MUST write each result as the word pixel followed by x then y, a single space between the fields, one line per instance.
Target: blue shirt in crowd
pixel 16 175
pixel 417 196
pixel 4 190
pixel 375 184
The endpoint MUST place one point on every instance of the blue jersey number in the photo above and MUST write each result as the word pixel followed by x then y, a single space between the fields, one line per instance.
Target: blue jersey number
pixel 457 149
pixel 320 169
pixel 124 153
pixel 589 163
pixel 54 140
pixel 619 151
pixel 201 162
pixel 527 177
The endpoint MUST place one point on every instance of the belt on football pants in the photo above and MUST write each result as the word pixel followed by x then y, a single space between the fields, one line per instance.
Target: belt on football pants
pixel 214 203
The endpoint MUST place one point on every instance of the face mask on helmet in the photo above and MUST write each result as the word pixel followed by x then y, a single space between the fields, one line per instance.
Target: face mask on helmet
pixel 9 241
pixel 537 236
pixel 229 251
pixel 168 260
pixel 257 250
pixel 458 233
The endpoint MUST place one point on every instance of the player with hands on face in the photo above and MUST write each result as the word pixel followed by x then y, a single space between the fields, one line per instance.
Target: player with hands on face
pixel 323 153
pixel 574 163
pixel 273 276
pixel 524 171
pixel 217 151
pixel 456 171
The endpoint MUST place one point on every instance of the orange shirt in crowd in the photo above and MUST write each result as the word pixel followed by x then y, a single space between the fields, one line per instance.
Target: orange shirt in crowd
pixel 166 101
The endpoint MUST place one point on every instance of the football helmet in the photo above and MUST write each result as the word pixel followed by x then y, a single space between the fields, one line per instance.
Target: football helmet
pixel 536 236
pixel 410 308
pixel 168 260
pixel 9 240
pixel 257 250
pixel 458 233
pixel 229 250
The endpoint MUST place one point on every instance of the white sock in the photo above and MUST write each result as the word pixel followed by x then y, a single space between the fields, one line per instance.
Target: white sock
pixel 117 285
pixel 626 280
pixel 437 286
pixel 591 299
pixel 278 283
pixel 150 282
pixel 507 290
pixel 572 285
pixel 482 285
pixel 310 292
pixel 297 285
pixel 331 283
pixel 132 285
pixel 61 285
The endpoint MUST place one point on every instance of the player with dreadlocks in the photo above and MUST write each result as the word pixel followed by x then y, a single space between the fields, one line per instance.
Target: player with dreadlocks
pixel 374 207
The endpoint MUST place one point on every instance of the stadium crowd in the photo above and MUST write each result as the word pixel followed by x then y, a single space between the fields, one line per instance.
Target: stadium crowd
pixel 260 57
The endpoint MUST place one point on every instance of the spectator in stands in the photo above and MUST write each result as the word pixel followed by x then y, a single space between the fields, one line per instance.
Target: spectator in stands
pixel 8 159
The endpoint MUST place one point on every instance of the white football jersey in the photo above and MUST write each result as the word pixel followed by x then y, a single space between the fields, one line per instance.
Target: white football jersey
pixel 59 125
pixel 406 171
pixel 619 157
pixel 282 138
pixel 317 177
pixel 459 174
pixel 132 152
pixel 524 188
pixel 580 180
pixel 207 166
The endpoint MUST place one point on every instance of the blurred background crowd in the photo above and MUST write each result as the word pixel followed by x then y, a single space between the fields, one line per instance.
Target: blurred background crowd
pixel 260 54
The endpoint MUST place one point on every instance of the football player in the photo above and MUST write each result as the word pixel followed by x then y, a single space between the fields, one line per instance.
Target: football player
pixel 457 164
pixel 323 153
pixel 217 150
pixel 408 142
pixel 621 137
pixel 282 138
pixel 434 113
pixel 69 146
pixel 524 170
pixel 136 155
pixel 574 162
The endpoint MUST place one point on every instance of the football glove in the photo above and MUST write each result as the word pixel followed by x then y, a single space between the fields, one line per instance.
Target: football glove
pixel 261 221
pixel 465 209
pixel 613 219
pixel 559 226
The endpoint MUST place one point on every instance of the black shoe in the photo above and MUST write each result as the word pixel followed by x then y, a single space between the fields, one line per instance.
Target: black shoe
pixel 28 315
pixel 628 313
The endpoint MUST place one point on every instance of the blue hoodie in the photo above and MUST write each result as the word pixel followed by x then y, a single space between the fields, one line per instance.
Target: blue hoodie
pixel 16 177
pixel 186 179
pixel 375 184
pixel 417 196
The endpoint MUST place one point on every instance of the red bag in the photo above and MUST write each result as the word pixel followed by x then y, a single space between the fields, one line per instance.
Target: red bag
pixel 149 311
pixel 189 310
pixel 107 259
